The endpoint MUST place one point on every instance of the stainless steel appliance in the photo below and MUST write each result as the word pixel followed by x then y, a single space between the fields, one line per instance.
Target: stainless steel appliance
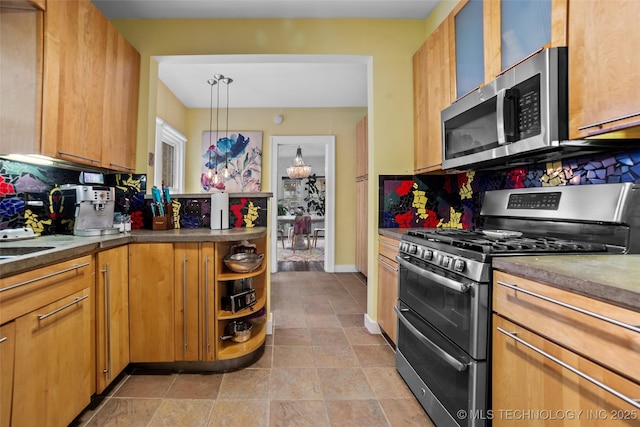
pixel 444 303
pixel 94 207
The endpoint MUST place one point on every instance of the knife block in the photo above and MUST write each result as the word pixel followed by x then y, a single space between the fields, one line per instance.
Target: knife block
pixel 163 222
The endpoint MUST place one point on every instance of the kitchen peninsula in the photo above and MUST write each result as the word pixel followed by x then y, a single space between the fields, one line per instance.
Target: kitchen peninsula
pixel 81 309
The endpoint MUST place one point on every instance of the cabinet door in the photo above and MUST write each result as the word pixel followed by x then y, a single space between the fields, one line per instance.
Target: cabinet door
pixel 151 302
pixel 187 268
pixel 527 383
pixel 208 300
pixel 7 352
pixel 112 315
pixel 467 27
pixel 433 87
pixel 74 81
pixel 121 103
pixel 388 286
pixel 53 366
pixel 361 226
pixel 517 29
pixel 362 148
pixel 603 67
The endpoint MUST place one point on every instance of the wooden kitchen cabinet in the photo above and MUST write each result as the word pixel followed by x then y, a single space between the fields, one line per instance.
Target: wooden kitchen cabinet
pixel 187 296
pixel 112 315
pixel 362 235
pixel 151 302
pixel 603 68
pixel 388 286
pixel 91 78
pixel 53 366
pixel 434 89
pixel 362 182
pixel 7 357
pixel 573 329
pixel 228 349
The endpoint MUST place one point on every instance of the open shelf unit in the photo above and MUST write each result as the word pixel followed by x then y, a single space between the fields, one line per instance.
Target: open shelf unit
pixel 228 349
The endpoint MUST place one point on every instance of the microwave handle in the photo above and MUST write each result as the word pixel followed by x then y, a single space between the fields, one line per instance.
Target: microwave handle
pixel 506 117
pixel 500 115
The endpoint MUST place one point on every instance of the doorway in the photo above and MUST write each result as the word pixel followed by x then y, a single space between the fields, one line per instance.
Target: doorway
pixel 326 145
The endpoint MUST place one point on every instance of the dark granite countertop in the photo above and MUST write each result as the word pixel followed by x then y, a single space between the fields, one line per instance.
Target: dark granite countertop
pixel 64 247
pixel 610 278
pixel 394 233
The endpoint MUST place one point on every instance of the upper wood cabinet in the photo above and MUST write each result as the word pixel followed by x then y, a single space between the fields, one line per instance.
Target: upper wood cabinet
pixel 466 29
pixel 603 67
pixel 433 91
pixel 90 88
pixel 362 162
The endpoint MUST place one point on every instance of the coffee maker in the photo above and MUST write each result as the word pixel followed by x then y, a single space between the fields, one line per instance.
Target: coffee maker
pixel 94 207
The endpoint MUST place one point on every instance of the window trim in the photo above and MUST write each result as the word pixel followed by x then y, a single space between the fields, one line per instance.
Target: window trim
pixel 168 134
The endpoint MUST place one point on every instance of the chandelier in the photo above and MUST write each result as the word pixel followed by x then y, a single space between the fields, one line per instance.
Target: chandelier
pixel 299 170
pixel 212 173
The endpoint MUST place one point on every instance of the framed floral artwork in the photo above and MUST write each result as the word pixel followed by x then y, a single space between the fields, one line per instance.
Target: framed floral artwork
pixel 240 153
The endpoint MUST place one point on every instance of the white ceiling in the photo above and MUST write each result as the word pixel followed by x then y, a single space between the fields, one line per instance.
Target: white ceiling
pixel 267 81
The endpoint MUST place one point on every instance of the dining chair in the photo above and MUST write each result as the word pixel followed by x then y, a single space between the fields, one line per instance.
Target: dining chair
pixel 301 228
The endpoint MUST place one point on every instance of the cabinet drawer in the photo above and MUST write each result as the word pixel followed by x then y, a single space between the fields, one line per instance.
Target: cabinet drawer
pixel 23 293
pixel 558 383
pixel 388 247
pixel 600 331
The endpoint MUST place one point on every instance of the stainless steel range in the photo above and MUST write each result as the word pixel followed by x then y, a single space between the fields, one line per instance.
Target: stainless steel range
pixel 443 348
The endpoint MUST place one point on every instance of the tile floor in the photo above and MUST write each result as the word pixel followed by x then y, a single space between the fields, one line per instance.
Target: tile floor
pixel 320 368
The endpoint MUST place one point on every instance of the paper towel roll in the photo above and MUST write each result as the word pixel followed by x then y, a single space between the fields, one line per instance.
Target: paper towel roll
pixel 219 211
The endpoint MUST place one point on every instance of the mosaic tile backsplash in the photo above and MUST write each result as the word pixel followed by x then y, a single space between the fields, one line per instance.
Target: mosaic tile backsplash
pixel 454 201
pixel 30 197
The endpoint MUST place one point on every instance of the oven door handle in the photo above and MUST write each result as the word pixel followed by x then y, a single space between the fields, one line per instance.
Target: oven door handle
pixel 455 363
pixel 441 280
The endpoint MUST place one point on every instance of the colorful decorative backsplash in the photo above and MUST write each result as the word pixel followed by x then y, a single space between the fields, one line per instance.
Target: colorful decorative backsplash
pixel 30 197
pixel 454 201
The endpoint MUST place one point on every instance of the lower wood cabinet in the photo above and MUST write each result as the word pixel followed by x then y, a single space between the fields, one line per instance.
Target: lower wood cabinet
pixel 151 302
pixel 112 315
pixel 180 287
pixel 53 362
pixel 562 358
pixel 388 286
pixel 7 357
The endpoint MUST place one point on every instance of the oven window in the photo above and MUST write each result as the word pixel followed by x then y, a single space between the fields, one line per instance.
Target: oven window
pixel 454 389
pixel 460 316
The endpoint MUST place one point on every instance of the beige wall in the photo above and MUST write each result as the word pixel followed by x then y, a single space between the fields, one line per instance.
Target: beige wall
pixel 390 43
pixel 171 110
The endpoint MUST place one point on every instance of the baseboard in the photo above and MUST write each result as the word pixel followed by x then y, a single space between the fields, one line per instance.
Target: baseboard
pixel 371 326
pixel 345 269
pixel 270 324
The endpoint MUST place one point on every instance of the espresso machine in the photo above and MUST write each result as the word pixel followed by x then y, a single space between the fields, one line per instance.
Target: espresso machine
pixel 94 207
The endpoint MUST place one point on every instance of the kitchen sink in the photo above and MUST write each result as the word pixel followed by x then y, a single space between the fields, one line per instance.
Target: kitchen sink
pixel 16 251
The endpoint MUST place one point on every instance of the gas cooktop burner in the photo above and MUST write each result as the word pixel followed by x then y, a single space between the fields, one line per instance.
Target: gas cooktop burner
pixel 478 241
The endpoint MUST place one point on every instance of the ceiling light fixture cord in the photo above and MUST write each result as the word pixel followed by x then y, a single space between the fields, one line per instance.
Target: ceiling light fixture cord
pixel 225 172
pixel 211 82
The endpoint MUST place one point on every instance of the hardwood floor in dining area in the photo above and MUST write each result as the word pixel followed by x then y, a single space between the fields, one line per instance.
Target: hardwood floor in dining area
pixel 320 368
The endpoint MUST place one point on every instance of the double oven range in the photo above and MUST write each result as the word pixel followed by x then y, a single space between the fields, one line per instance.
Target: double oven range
pixel 444 283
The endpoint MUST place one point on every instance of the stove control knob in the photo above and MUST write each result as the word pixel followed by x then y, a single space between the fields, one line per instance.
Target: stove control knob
pixel 459 265
pixel 427 255
pixel 419 252
pixel 446 261
pixel 412 249
pixel 403 246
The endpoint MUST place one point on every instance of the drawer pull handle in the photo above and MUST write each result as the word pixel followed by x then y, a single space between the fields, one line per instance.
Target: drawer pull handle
pixel 206 300
pixel 572 307
pixel 387 264
pixel 184 301
pixel 57 310
pixel 3 339
pixel 46 276
pixel 122 166
pixel 107 311
pixel 604 122
pixel 633 402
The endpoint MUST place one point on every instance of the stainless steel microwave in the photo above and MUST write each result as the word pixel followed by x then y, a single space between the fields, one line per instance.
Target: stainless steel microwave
pixel 521 113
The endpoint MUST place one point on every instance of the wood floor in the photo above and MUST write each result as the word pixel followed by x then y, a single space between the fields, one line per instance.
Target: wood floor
pixel 285 266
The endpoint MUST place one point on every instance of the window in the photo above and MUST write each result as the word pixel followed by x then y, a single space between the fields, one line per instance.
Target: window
pixel 169 157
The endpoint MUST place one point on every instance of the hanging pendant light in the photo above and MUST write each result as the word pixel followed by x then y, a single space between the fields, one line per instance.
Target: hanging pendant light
pixel 214 177
pixel 225 172
pixel 299 170
pixel 212 83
